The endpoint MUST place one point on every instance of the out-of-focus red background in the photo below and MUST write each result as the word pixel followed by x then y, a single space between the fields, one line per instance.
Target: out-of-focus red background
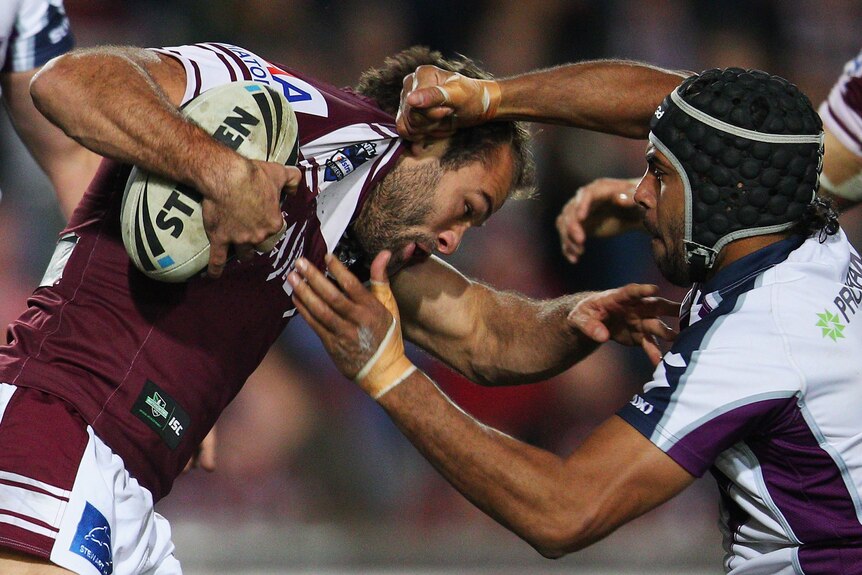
pixel 312 475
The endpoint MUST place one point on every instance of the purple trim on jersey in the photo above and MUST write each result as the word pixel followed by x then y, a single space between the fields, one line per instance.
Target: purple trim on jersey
pixel 224 61
pixel 379 131
pixel 852 94
pixel 843 126
pixel 195 68
pixel 844 557
pixel 697 451
pixel 804 481
pixel 198 81
pixel 645 411
pixel 246 74
pixel 375 165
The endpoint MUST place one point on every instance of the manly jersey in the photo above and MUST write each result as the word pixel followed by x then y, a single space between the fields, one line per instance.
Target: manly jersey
pixel 842 110
pixel 31 33
pixel 764 387
pixel 151 365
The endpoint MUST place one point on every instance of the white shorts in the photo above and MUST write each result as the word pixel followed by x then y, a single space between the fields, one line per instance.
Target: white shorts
pixel 65 496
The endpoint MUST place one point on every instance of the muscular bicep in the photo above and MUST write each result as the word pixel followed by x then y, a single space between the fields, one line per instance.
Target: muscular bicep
pixel 438 308
pixel 621 475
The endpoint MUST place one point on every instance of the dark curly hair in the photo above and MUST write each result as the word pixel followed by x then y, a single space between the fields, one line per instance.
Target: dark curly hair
pixel 820 218
pixel 467 145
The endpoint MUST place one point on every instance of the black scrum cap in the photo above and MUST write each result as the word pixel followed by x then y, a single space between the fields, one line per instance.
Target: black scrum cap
pixel 748 147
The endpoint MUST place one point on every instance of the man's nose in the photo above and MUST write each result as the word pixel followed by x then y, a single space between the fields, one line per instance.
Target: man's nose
pixel 645 192
pixel 449 240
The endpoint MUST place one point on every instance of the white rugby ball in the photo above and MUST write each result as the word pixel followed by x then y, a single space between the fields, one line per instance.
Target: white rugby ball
pixel 162 221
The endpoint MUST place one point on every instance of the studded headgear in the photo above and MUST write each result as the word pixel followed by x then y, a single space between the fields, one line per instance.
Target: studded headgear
pixel 748 147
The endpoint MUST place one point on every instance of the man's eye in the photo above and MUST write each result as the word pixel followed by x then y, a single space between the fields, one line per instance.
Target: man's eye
pixel 658 174
pixel 468 209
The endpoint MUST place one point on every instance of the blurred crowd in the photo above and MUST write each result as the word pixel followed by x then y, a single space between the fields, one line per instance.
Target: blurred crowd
pixel 300 444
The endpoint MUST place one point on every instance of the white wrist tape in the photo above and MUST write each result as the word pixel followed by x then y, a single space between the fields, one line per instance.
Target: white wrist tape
pixel 387 366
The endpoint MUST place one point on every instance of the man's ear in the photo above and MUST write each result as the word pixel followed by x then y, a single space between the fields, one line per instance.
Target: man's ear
pixel 429 148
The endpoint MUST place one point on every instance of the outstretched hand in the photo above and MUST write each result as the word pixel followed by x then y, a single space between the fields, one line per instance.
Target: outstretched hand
pixel 630 315
pixel 603 208
pixel 436 102
pixel 247 215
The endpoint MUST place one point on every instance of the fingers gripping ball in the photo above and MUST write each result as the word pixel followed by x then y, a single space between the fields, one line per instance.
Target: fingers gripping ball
pixel 162 221
pixel 388 366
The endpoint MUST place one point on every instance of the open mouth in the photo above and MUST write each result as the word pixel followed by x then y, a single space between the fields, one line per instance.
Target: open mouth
pixel 421 253
pixel 414 253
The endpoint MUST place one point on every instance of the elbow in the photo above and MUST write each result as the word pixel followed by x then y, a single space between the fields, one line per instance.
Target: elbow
pixel 49 84
pixel 566 533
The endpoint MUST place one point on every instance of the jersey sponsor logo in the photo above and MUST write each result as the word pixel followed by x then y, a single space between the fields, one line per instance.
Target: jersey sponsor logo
pixel 348 159
pixel 162 414
pixel 642 404
pixel 92 540
pixel 303 96
pixel 830 325
pixel 846 303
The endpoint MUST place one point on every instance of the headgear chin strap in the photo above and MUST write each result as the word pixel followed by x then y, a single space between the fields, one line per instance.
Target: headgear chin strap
pixel 748 147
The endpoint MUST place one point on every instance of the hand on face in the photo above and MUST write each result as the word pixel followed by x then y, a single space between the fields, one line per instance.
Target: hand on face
pixel 436 102
pixel 349 319
pixel 630 315
pixel 602 208
pixel 247 212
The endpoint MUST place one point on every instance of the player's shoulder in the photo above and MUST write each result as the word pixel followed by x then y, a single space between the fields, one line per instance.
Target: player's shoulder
pixel 209 64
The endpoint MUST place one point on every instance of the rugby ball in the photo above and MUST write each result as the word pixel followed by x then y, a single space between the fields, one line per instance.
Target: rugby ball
pixel 161 220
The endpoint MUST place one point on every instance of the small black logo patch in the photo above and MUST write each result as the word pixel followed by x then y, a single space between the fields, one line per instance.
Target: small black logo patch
pixel 162 414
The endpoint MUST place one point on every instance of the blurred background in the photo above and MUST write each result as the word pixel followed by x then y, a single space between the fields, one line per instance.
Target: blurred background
pixel 312 476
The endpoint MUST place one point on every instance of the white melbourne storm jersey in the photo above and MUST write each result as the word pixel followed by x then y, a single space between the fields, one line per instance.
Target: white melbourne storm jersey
pixel 31 33
pixel 764 388
pixel 842 110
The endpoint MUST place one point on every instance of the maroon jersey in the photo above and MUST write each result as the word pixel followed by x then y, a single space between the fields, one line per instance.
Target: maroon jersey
pixel 151 365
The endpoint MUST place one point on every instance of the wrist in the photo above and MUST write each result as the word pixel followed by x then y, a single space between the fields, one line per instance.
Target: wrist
pixel 491 97
pixel 226 171
pixel 387 368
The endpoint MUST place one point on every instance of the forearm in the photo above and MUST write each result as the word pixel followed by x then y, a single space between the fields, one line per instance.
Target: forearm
pixel 68 165
pixel 522 487
pixel 501 338
pixel 112 101
pixel 617 97
pixel 520 340
pixel 841 180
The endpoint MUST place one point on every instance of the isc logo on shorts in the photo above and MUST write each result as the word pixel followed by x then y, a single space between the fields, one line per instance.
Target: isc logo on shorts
pixel 92 540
